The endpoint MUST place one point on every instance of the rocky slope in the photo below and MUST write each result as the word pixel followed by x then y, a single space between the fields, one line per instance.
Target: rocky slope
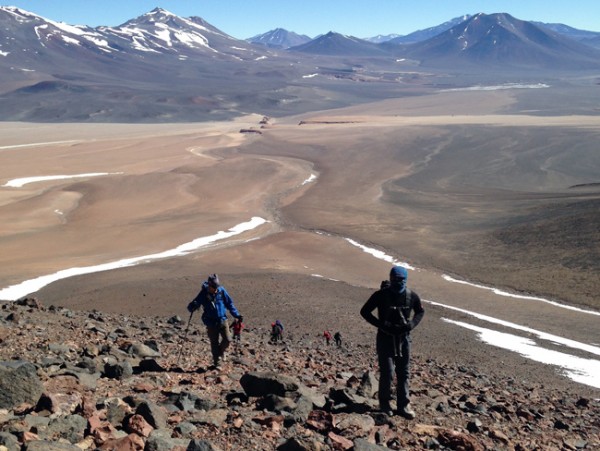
pixel 92 380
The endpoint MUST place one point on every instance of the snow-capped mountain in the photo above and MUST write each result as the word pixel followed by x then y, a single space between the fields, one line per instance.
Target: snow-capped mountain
pixel 279 38
pixel 158 31
pixel 28 35
pixel 154 67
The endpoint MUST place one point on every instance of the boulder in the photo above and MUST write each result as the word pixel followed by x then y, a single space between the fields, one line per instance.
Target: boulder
pixel 201 445
pixel 267 383
pixel 153 414
pixel 19 383
pixel 9 441
pixel 118 370
pixel 360 444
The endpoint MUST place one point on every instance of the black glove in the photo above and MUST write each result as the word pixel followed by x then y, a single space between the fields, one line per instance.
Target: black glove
pixel 399 329
pixel 192 307
pixel 395 329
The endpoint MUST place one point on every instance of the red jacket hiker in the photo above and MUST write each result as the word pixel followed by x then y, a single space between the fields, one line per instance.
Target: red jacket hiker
pixel 237 327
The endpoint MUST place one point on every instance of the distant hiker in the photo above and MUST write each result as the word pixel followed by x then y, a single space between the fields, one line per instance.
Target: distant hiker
pixel 215 301
pixel 394 305
pixel 276 331
pixel 338 339
pixel 236 328
pixel 327 336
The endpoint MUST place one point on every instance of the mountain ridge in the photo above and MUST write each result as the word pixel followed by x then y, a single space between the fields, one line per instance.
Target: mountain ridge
pixel 160 67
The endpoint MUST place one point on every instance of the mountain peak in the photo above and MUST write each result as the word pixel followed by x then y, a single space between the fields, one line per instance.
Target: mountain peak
pixel 279 38
pixel 501 39
pixel 157 15
pixel 160 12
pixel 333 43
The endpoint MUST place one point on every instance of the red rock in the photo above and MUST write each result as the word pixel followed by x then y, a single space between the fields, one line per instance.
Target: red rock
pixel 28 437
pixel 340 442
pixel 238 422
pixel 499 435
pixel 143 387
pixel 426 429
pixel 23 408
pixel 103 432
pixel 132 442
pixel 88 405
pixel 458 440
pixel 138 425
pixel 273 422
pixel 320 420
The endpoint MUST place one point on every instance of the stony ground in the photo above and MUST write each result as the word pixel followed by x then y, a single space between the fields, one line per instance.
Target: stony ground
pixel 93 380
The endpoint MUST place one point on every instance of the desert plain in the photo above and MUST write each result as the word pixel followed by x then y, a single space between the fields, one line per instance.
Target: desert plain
pixel 492 203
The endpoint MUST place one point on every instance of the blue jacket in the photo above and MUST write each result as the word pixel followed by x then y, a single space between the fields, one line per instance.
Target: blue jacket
pixel 214 307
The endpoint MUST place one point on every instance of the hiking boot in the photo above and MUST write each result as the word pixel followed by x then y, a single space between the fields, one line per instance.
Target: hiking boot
pixel 387 410
pixel 407 412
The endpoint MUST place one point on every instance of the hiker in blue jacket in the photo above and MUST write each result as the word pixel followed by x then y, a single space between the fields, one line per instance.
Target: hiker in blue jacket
pixel 395 304
pixel 215 301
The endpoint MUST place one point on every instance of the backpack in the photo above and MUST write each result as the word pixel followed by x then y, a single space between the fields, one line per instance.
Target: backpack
pixel 397 307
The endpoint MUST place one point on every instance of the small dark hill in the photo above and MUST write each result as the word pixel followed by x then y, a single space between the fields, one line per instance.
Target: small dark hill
pixel 279 38
pixel 336 44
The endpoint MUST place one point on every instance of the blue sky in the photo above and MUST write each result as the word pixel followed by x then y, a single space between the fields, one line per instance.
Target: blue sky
pixel 361 18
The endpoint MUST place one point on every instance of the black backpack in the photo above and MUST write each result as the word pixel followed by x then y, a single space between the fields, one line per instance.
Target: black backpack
pixel 397 307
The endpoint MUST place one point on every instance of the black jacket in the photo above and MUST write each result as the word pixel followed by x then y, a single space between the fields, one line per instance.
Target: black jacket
pixel 397 315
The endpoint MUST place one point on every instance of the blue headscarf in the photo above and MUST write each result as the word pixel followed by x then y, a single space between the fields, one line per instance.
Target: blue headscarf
pixel 398 276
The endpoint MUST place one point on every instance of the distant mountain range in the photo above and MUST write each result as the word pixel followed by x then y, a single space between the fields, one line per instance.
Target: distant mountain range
pixel 161 67
pixel 281 38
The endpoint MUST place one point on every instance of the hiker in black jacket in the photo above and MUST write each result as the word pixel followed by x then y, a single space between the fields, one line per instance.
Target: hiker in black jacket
pixel 394 305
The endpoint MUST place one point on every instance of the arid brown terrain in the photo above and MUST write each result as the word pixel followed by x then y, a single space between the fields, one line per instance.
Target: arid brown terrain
pixel 468 186
pixel 463 182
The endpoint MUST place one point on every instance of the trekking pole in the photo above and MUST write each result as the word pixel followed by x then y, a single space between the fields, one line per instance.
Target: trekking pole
pixel 184 337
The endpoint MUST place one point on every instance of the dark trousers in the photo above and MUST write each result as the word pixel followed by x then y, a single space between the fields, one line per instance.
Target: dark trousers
pixel 217 346
pixel 390 363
